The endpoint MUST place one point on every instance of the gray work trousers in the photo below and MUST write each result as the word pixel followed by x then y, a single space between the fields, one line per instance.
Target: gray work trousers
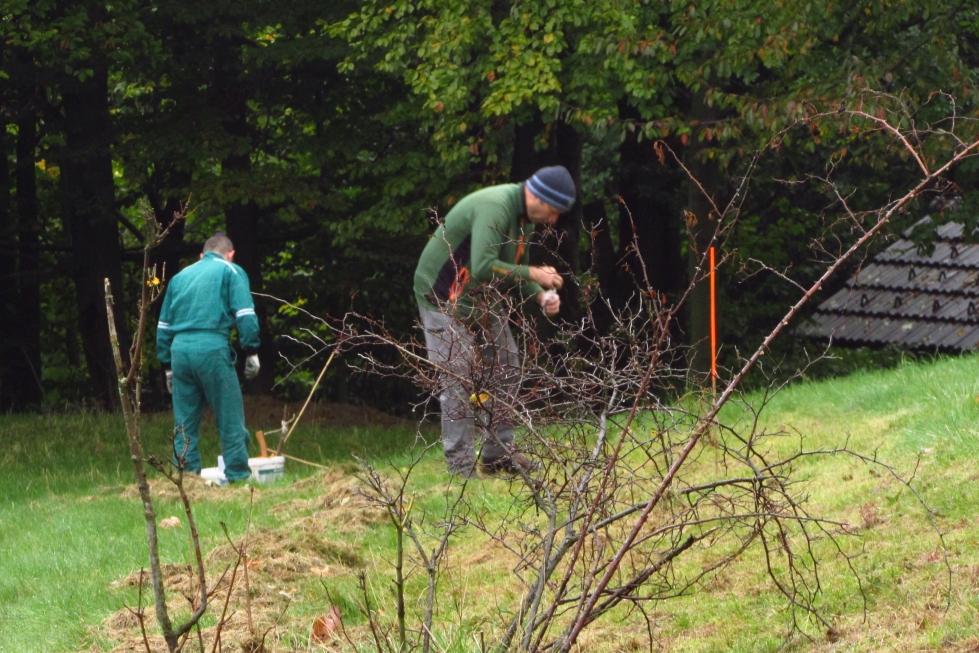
pixel 472 363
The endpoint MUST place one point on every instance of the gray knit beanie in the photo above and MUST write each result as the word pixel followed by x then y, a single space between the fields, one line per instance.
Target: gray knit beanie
pixel 555 186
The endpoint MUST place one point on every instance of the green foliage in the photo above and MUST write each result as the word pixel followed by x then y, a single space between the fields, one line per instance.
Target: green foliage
pixel 344 125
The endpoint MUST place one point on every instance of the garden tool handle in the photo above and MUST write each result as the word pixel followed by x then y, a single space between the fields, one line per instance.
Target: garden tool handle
pixel 282 442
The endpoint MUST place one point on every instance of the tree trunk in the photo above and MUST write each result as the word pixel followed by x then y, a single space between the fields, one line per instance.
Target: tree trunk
pixel 602 266
pixel 649 234
pixel 526 157
pixel 89 201
pixel 167 256
pixel 243 218
pixel 9 299
pixel 29 325
pixel 702 223
pixel 242 224
pixel 561 243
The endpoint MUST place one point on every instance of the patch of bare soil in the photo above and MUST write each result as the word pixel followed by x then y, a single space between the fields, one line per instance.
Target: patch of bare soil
pixel 263 413
pixel 277 561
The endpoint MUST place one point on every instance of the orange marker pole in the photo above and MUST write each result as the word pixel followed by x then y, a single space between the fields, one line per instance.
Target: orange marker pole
pixel 713 322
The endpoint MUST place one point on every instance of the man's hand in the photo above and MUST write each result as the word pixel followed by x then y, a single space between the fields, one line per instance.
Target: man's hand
pixel 251 367
pixel 170 381
pixel 546 276
pixel 550 302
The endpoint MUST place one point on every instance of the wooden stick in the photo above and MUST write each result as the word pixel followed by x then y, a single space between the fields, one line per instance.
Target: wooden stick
pixel 282 442
pixel 263 448
pixel 305 462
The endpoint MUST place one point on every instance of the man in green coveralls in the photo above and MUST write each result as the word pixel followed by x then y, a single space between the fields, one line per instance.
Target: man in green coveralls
pixel 484 241
pixel 202 303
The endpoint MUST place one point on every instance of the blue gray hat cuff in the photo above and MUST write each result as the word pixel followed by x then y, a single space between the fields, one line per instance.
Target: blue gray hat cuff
pixel 554 186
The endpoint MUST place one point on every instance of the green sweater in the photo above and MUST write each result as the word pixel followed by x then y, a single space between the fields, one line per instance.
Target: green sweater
pixel 484 240
pixel 204 301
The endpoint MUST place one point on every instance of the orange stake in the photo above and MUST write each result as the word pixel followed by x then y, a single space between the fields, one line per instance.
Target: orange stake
pixel 713 322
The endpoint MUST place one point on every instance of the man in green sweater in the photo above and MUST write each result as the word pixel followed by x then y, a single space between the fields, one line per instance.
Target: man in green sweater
pixel 482 248
pixel 202 304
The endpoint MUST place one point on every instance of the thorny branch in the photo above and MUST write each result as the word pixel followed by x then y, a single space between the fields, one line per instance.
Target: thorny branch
pixel 883 217
pixel 640 496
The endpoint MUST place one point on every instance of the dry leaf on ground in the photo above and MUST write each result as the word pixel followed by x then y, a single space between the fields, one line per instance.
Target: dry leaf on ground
pixel 327 626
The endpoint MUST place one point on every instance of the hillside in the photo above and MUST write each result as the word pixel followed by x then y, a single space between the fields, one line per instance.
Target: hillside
pixel 71 531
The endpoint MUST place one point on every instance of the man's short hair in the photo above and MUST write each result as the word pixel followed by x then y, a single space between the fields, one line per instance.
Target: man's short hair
pixel 218 243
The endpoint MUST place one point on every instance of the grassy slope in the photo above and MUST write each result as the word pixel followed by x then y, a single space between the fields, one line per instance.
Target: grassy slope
pixel 66 534
pixel 921 417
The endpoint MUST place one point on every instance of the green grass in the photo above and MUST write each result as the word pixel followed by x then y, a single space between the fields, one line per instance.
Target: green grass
pixel 922 418
pixel 926 405
pixel 66 534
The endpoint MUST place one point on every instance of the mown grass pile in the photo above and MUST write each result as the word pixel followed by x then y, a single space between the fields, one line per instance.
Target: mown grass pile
pixel 71 532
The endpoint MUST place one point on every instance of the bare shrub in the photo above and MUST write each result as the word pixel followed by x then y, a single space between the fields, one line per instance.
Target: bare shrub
pixel 643 493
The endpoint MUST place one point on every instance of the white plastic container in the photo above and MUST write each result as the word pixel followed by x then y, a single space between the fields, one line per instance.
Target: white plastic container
pixel 264 470
pixel 214 475
pixel 268 469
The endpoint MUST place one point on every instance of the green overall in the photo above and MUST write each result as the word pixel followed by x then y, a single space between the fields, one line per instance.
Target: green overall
pixel 202 304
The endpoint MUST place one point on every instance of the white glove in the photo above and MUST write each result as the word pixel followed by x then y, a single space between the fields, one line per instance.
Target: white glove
pixel 170 381
pixel 251 367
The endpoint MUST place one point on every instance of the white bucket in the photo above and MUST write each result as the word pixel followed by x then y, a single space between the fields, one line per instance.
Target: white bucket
pixel 267 469
pixel 264 470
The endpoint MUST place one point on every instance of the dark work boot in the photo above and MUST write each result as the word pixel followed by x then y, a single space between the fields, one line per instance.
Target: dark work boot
pixel 510 465
pixel 463 473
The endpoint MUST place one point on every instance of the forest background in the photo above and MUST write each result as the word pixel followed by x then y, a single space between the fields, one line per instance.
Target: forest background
pixel 327 137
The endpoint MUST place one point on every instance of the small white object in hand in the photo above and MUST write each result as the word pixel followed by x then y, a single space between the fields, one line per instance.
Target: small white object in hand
pixel 252 366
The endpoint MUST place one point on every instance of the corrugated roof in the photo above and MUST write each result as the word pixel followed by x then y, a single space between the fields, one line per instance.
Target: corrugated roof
pixel 908 296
